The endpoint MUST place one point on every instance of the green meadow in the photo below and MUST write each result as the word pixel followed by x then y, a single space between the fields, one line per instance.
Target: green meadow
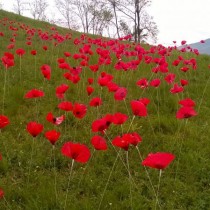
pixel 35 175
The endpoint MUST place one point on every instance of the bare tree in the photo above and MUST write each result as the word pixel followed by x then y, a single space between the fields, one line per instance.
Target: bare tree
pixel 19 6
pixel 113 4
pixel 38 9
pixel 101 17
pixel 73 10
pixel 64 7
pixel 81 10
pixel 124 28
pixel 94 16
pixel 141 24
pixel 90 14
pixel 144 26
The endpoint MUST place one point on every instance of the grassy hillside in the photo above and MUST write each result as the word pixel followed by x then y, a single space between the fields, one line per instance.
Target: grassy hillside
pixel 203 46
pixel 36 175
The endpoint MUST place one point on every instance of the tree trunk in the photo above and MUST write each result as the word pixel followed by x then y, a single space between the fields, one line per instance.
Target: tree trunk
pixel 86 21
pixel 135 22
pixel 138 20
pixel 116 21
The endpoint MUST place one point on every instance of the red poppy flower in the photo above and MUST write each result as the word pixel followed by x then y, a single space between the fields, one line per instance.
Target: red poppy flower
pixel 20 52
pixel 29 43
pixel 96 102
pixel 94 68
pixel 170 78
pixel 64 65
pixel 61 60
pixel 90 81
pixel 55 120
pixel 159 160
pixel 145 101
pixel 75 70
pixel 155 82
pixel 60 90
pixel 4 121
pixel 1 193
pixel 112 87
pixel 109 119
pixel 66 106
pixel 8 60
pixel 76 56
pixel 99 143
pixel 176 62
pixel 67 54
pixel 45 47
pixel 104 79
pixel 120 142
pixel 183 42
pixel 89 90
pixel 185 112
pixel 138 108
pixel 76 151
pixel 183 82
pixel 119 118
pixel 79 110
pixel 73 78
pixel 34 128
pixel 34 93
pixel 46 71
pixel 120 94
pixel 52 136
pixel 9 55
pixel 135 138
pixel 33 52
pixel 100 125
pixel 184 69
pixel 187 102
pixel 176 89
pixel 10 46
pixel 142 83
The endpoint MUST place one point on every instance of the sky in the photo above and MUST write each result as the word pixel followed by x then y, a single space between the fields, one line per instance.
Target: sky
pixel 176 20
pixel 181 20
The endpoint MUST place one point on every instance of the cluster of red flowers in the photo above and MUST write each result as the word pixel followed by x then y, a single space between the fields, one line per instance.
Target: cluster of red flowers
pixel 124 57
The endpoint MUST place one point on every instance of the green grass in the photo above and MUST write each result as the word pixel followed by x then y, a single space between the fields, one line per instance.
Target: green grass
pixel 184 184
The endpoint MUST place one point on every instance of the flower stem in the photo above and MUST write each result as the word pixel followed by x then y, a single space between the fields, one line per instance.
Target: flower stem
pixel 148 176
pixel 102 197
pixel 129 174
pixel 158 189
pixel 29 170
pixel 6 203
pixel 20 69
pixel 86 168
pixel 70 174
pixel 131 123
pixel 4 89
pixel 126 106
pixel 55 174
pixel 121 159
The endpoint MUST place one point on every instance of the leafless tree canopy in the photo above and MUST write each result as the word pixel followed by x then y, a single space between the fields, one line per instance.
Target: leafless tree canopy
pixel 19 6
pixel 122 17
pixel 98 16
pixel 132 16
pixel 38 9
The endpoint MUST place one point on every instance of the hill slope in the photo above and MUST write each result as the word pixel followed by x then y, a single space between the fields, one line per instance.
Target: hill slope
pixel 203 48
pixel 104 106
